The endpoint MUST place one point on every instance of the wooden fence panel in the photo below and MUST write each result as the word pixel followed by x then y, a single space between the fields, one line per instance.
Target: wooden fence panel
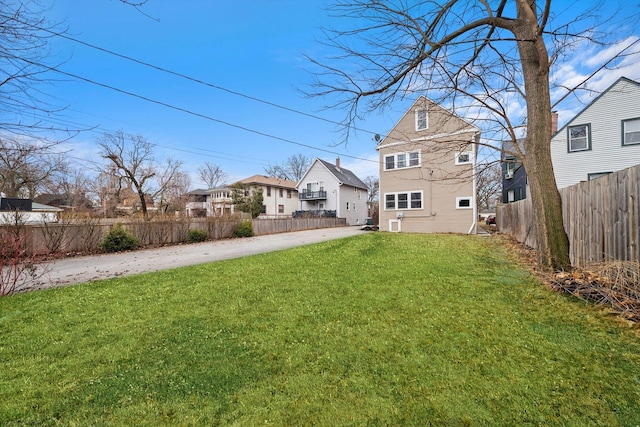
pixel 601 218
pixel 85 236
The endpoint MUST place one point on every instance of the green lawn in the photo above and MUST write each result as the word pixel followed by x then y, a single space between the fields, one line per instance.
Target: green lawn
pixel 379 329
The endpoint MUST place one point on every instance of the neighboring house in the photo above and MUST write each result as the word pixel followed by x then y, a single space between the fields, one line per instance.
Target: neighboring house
pixel 212 202
pixel 25 211
pixel 602 138
pixel 280 197
pixel 327 188
pixel 78 203
pixel 427 169
pixel 514 176
pixel 196 203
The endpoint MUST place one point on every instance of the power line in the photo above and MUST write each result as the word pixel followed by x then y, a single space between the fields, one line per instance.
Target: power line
pixel 187 111
pixel 195 80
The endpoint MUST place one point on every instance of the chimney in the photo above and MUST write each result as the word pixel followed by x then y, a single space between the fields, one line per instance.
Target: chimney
pixel 338 163
pixel 554 122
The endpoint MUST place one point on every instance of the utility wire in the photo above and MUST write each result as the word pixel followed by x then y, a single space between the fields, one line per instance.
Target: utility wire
pixel 193 79
pixel 184 110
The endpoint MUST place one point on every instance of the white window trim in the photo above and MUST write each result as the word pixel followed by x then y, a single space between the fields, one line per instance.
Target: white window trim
pixel 408 160
pixel 426 118
pixel 459 199
pixel 624 132
pixel 408 208
pixel 588 138
pixel 471 159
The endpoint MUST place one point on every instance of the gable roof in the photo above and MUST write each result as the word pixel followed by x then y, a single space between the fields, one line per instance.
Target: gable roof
pixel 621 79
pixel 344 176
pixel 269 180
pixel 424 101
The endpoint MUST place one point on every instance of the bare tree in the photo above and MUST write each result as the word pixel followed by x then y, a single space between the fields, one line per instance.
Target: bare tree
pixel 24 47
pixel 479 58
pixel 488 184
pixel 292 169
pixel 212 175
pixel 373 188
pixel 132 156
pixel 27 166
pixel 174 185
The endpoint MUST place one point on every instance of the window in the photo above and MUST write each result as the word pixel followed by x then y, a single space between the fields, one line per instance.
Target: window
pixel 389 162
pixel 409 200
pixel 281 192
pixel 354 206
pixel 390 201
pixel 596 175
pixel 511 196
pixel 321 206
pixel 463 202
pixel 264 209
pixel 464 158
pixel 280 208
pixel 579 138
pixel 631 132
pixel 315 186
pixel 414 159
pixel 416 200
pixel 402 160
pixel 347 205
pixel 288 194
pixel 422 120
pixel 268 191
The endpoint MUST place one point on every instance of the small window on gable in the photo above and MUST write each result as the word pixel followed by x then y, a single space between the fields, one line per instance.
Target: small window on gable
pixel 631 132
pixel 579 138
pixel 464 158
pixel 463 202
pixel 422 119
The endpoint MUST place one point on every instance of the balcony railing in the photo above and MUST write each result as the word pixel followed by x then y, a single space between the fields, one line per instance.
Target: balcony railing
pixel 313 195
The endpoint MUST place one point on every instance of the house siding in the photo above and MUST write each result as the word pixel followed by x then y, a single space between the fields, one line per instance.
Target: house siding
pixel 337 195
pixel 438 177
pixel 272 202
pixel 605 114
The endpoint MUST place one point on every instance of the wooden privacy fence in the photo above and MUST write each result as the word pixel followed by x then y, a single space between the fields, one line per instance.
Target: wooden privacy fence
pixel 601 218
pixel 84 235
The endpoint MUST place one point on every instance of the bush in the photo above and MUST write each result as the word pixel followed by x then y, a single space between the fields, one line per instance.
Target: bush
pixel 195 236
pixel 244 229
pixel 119 239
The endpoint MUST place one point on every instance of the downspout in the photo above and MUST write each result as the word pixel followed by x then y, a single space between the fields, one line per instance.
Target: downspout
pixel 475 204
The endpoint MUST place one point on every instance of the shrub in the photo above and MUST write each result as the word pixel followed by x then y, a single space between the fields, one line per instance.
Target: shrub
pixel 119 239
pixel 194 236
pixel 244 229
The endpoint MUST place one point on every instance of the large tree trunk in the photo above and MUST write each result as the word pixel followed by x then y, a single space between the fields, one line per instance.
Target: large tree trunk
pixel 552 243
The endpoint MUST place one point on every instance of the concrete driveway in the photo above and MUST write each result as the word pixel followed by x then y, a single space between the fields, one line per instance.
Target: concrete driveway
pixel 67 271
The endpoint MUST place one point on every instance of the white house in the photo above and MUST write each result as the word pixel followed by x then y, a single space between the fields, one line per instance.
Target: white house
pixel 279 196
pixel 603 138
pixel 25 211
pixel 327 187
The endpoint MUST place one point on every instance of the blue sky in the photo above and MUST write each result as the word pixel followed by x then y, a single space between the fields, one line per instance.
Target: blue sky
pixel 254 47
